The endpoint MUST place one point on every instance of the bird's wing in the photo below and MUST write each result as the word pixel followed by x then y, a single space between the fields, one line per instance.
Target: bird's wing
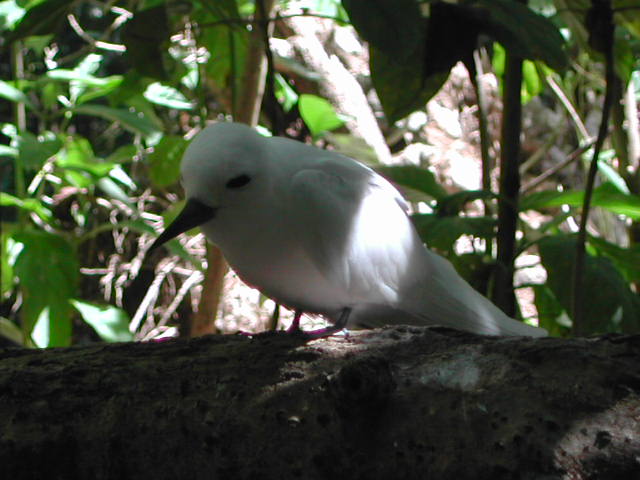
pixel 354 227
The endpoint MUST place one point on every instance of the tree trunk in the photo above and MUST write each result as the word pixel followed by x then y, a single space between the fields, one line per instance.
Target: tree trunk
pixel 401 402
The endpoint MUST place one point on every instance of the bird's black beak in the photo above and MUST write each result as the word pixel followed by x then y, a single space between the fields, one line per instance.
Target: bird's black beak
pixel 193 214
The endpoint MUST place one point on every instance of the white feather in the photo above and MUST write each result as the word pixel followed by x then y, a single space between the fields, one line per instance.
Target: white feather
pixel 320 232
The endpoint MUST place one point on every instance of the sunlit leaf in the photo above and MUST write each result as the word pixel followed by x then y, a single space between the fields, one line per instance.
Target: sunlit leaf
pixel 12 94
pixel 606 196
pixel 6 151
pixel 82 78
pixel 47 269
pixel 318 114
pixel 167 97
pixel 111 323
pixel 10 13
pixel 119 175
pixel 113 190
pixel 29 204
pixel 8 255
pixel 286 95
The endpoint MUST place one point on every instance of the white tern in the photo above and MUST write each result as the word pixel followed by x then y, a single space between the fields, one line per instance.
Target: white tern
pixel 321 233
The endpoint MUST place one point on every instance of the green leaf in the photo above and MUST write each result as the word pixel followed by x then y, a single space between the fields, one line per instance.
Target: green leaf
pixel 286 95
pixel 523 32
pixel 34 151
pixel 606 196
pixel 551 315
pixel 451 36
pixel 532 84
pixel 165 160
pixel 394 28
pixel 401 85
pixel 123 154
pixel 8 255
pixel 442 232
pixel 613 307
pixel 145 37
pixel 82 168
pixel 627 260
pixel 415 178
pixel 318 114
pixel 47 269
pixel 111 323
pixel 10 14
pixel 43 17
pixel 454 203
pixel 133 122
pixel 475 268
pixel 83 78
pixel 29 204
pixel 113 190
pixel 167 97
pixel 353 147
pixel 12 94
pixel 41 333
pixel 9 330
pixel 227 63
pixel 6 151
pixel 627 13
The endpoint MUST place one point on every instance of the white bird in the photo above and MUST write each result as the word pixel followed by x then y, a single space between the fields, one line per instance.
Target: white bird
pixel 321 233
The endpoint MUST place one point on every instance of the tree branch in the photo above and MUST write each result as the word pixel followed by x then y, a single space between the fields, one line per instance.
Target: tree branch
pixel 400 402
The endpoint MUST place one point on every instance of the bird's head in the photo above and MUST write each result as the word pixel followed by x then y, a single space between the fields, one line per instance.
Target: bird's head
pixel 221 169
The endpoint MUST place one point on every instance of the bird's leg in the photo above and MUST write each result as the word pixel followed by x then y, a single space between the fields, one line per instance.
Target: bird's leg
pixel 295 325
pixel 322 332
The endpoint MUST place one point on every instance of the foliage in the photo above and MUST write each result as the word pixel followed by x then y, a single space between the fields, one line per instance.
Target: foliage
pixel 104 96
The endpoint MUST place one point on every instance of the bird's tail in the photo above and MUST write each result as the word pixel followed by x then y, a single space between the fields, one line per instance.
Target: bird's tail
pixel 447 299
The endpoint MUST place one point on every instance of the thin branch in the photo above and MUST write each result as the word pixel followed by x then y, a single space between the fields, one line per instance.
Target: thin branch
pixel 92 43
pixel 503 294
pixel 584 134
pixel 75 25
pixel 249 21
pixel 152 293
pixel 578 272
pixel 556 168
pixel 195 278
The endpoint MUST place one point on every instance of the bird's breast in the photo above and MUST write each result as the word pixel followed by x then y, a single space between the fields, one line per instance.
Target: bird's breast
pixel 269 257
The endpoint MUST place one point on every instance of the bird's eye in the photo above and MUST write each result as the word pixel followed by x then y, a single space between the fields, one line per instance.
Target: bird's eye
pixel 239 181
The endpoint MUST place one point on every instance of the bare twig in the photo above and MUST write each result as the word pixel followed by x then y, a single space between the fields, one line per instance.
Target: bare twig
pixel 152 293
pixel 75 25
pixel 606 17
pixel 569 107
pixel 195 278
pixel 248 21
pixel 556 168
